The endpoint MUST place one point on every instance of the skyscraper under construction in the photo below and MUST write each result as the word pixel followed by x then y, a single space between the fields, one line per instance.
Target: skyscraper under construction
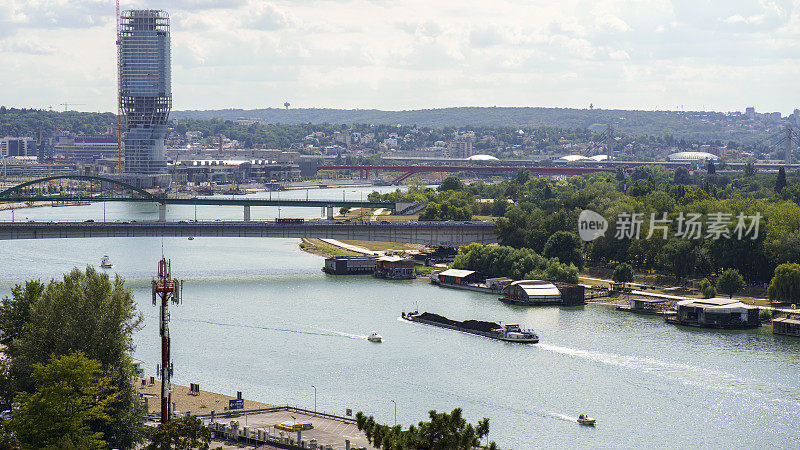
pixel 145 93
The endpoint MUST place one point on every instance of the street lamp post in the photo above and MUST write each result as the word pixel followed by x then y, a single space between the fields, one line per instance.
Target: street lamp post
pixel 315 397
pixel 395 412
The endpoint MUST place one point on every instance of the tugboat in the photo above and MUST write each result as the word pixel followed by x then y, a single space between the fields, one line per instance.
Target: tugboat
pixel 105 263
pixel 374 337
pixel 507 332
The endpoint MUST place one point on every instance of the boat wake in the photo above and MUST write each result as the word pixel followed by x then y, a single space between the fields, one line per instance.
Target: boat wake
pixel 561 416
pixel 686 374
pixel 240 325
pixel 343 334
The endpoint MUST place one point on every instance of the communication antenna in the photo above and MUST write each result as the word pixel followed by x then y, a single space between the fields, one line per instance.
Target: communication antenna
pixel 167 289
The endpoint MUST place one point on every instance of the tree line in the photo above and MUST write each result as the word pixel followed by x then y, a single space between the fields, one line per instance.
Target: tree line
pixel 532 212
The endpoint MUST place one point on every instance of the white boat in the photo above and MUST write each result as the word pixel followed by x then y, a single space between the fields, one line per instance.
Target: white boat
pixel 374 337
pixel 191 238
pixel 586 420
pixel 105 263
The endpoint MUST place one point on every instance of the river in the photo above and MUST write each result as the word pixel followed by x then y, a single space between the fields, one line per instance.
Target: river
pixel 259 316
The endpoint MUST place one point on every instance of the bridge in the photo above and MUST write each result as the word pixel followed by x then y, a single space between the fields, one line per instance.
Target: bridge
pixel 451 234
pixel 409 170
pixel 15 194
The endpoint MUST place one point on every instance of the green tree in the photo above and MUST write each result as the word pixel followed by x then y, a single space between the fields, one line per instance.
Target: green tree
pixel 565 246
pixel 72 394
pixel 780 182
pixel 15 312
pixel 730 282
pixel 443 432
pixel 749 169
pixel 184 434
pixel 85 312
pixel 707 289
pixel 522 176
pixel 682 176
pixel 431 212
pixel 785 284
pixel 623 273
pixel 710 167
pixel 451 183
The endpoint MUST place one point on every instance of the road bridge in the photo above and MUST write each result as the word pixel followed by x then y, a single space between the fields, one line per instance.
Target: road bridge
pixel 451 234
pixel 408 170
pixel 17 194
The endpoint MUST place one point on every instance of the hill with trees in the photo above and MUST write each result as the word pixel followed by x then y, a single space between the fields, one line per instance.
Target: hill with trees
pixel 690 125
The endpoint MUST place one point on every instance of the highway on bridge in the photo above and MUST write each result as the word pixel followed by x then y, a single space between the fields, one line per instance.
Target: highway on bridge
pixel 219 201
pixel 451 234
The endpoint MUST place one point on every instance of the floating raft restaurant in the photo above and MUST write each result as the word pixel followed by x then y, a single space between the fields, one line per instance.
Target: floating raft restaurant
pixel 715 313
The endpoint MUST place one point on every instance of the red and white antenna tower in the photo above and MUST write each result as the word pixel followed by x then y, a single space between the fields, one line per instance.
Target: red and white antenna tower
pixel 167 289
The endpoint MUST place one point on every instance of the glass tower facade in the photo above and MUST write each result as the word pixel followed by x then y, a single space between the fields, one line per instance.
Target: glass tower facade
pixel 145 88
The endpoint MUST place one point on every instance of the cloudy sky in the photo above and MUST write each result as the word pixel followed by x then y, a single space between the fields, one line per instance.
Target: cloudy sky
pixel 407 54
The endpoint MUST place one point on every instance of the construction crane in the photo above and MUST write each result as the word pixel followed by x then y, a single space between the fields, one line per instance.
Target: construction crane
pixel 66 105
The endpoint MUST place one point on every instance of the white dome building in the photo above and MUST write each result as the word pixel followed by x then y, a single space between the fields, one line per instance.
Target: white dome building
pixel 599 157
pixel 571 158
pixel 482 158
pixel 692 156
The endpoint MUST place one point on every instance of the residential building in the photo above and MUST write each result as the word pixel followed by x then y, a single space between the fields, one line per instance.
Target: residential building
pixel 18 146
pixel 459 148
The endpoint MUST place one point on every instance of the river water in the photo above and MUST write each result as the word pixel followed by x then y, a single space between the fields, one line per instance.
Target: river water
pixel 259 316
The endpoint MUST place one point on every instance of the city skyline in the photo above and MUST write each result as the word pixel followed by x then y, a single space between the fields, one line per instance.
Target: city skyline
pixel 352 54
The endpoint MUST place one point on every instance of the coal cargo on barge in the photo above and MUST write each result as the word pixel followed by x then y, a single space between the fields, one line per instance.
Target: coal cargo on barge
pixel 507 333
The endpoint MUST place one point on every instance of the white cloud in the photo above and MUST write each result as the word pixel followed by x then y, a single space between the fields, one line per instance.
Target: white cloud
pixel 415 54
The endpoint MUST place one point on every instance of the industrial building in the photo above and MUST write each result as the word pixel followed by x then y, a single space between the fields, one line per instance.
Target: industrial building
pixel 145 94
pixel 87 147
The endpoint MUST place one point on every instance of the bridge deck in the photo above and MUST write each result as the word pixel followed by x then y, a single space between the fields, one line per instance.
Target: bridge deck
pixel 429 233
pixel 220 201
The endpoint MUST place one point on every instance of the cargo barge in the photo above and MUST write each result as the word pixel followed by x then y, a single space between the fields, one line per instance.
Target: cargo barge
pixel 507 333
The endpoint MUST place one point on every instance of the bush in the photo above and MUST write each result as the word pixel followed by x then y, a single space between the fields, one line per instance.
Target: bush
pixel 707 289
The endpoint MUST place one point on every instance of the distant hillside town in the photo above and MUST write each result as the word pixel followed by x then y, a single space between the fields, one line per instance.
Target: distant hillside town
pixel 230 145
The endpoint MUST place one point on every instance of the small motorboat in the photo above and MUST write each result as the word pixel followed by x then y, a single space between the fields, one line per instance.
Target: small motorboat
pixel 586 420
pixel 374 337
pixel 191 238
pixel 105 263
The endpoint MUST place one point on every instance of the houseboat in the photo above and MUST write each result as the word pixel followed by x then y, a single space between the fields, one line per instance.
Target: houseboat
pixel 715 313
pixel 394 268
pixel 469 280
pixel 349 265
pixel 653 306
pixel 539 293
pixel 788 324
